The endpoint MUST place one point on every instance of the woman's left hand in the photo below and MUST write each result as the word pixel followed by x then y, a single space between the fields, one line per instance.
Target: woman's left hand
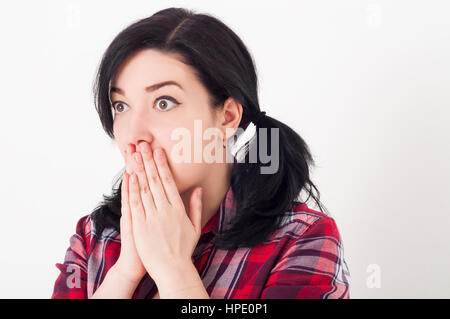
pixel 164 234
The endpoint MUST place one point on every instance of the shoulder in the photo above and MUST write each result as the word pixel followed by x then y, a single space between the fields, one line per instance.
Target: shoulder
pixel 86 239
pixel 84 225
pixel 302 222
pixel 86 229
pixel 83 231
pixel 310 259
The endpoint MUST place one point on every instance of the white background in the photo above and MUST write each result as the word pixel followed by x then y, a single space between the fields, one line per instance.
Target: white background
pixel 365 83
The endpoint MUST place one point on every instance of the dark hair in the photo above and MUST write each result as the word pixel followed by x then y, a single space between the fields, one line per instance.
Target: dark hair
pixel 226 68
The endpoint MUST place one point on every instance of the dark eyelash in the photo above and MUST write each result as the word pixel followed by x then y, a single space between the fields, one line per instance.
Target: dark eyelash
pixel 167 98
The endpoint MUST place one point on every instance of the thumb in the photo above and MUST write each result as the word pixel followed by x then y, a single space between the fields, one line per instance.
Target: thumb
pixel 195 211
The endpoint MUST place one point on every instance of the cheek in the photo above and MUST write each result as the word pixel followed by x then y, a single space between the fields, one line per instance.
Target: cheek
pixel 187 175
pixel 118 140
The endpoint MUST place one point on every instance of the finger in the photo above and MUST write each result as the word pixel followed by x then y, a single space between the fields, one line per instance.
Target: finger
pixel 144 189
pixel 124 190
pixel 137 210
pixel 125 220
pixel 156 187
pixel 195 210
pixel 167 180
pixel 128 160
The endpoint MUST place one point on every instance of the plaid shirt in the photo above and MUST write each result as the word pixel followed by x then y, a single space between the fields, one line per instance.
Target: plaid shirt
pixel 304 258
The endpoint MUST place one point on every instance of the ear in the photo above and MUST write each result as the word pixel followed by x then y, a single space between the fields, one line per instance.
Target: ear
pixel 229 117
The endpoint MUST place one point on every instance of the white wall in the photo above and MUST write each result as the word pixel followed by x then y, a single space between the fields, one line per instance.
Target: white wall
pixel 365 83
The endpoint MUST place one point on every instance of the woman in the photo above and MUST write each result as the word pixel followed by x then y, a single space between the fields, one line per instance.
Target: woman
pixel 180 74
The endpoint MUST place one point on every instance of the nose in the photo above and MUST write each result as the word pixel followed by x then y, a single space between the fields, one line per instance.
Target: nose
pixel 138 130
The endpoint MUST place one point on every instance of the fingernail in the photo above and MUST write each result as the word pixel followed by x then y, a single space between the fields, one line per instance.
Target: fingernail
pixel 199 193
pixel 145 148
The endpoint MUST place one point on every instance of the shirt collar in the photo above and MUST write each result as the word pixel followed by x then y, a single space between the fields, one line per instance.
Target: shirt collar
pixel 219 222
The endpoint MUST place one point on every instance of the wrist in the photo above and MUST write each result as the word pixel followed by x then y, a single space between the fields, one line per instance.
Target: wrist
pixel 123 277
pixel 115 285
pixel 179 277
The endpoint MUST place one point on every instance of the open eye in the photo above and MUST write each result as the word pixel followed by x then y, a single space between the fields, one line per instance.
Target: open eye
pixel 118 107
pixel 165 103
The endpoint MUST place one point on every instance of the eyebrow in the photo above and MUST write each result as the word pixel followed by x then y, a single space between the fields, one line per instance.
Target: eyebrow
pixel 150 88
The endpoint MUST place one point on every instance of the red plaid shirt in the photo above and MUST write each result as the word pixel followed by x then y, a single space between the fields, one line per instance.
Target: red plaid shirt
pixel 304 258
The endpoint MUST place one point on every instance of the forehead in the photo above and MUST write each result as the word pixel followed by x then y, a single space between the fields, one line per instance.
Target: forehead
pixel 149 66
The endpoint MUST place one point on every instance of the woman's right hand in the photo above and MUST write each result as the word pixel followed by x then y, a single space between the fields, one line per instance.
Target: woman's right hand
pixel 129 264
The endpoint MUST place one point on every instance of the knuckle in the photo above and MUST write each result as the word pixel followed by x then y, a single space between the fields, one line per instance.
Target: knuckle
pixel 154 178
pixel 167 179
pixel 134 202
pixel 145 189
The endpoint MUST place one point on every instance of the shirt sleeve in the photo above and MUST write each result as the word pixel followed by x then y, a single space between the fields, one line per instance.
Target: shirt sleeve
pixel 312 266
pixel 72 280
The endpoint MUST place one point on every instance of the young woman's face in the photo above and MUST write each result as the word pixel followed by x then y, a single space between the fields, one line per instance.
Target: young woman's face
pixel 152 115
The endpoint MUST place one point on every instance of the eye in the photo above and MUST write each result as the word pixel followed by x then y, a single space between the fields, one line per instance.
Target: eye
pixel 165 103
pixel 118 106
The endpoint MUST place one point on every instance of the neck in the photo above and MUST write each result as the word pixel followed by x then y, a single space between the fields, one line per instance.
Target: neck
pixel 215 187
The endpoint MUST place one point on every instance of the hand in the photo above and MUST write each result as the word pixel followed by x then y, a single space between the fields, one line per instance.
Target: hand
pixel 129 265
pixel 165 235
